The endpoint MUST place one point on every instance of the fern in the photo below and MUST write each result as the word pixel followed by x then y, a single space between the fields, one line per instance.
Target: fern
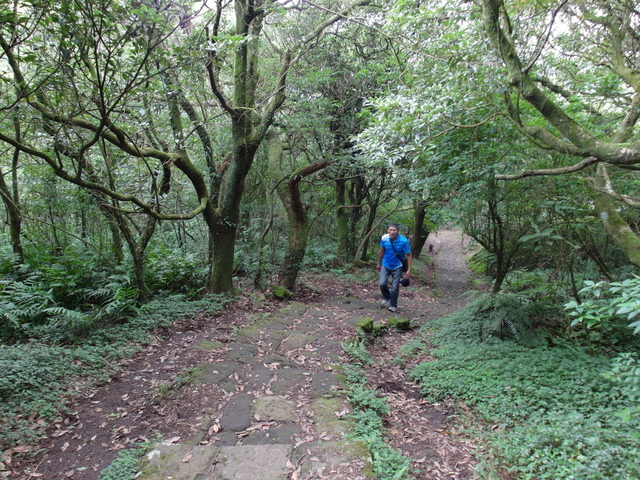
pixel 25 302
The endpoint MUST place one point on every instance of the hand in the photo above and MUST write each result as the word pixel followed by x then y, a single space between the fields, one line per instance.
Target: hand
pixel 378 267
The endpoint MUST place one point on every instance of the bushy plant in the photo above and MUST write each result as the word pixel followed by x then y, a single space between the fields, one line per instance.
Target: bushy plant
pixel 174 270
pixel 25 305
pixel 37 379
pixel 504 316
pixel 537 284
pixel 320 256
pixel 552 411
pixel 357 350
pixel 125 466
pixel 607 303
pixel 7 257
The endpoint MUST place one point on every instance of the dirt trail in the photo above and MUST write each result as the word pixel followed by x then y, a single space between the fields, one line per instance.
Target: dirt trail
pixel 254 392
pixel 424 432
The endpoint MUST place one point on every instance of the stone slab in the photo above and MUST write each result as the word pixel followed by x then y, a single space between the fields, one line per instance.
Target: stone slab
pixel 274 408
pixel 236 415
pixel 253 462
pixel 288 379
pixel 242 352
pixel 258 377
pixel 285 434
pixel 325 382
pixel 173 461
pixel 215 373
pixel 297 341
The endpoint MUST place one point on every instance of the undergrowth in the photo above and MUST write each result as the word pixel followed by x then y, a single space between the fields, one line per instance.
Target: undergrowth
pixel 369 410
pixel 39 377
pixel 551 409
pixel 125 466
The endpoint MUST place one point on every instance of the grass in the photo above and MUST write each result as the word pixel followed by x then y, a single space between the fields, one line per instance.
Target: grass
pixel 552 411
pixel 40 377
pixel 125 466
pixel 369 410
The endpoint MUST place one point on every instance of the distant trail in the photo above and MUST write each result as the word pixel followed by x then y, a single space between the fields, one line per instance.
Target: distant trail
pixel 450 250
pixel 423 432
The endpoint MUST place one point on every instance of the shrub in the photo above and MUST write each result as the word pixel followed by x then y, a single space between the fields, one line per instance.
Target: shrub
pixel 37 378
pixel 176 271
pixel 552 411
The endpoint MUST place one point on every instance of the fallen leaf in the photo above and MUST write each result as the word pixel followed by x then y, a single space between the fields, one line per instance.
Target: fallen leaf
pixel 187 457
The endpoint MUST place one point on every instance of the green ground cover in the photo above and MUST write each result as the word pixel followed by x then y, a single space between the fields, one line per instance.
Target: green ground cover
pixel 547 409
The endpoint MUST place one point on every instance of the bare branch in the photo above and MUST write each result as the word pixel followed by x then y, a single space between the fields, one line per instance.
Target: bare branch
pixel 550 171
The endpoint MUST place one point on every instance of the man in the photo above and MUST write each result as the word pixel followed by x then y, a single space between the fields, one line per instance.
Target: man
pixel 393 249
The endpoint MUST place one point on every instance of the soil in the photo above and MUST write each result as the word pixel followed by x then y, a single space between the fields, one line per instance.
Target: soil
pixel 149 398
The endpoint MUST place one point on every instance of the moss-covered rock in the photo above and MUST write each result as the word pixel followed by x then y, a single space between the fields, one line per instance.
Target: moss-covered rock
pixel 402 324
pixel 281 293
pixel 365 324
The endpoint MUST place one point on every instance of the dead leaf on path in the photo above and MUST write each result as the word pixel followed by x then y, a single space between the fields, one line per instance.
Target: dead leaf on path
pixel 187 458
pixel 21 449
pixel 173 440
pixel 295 475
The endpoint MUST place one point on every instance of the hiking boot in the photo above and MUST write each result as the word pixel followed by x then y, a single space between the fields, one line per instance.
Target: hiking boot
pixel 385 302
pixel 393 309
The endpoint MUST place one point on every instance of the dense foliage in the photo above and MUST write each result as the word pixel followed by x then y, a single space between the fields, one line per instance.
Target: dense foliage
pixel 149 149
pixel 39 377
pixel 545 406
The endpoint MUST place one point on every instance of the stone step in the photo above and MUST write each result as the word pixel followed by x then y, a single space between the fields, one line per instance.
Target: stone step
pixel 243 462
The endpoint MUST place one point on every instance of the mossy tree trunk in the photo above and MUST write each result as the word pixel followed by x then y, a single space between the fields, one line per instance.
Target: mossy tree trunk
pixel 614 224
pixel 342 219
pixel 421 232
pixel 568 131
pixel 288 188
pixel 12 205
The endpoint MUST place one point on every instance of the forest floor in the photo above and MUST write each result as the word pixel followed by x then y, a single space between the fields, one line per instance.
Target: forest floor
pixel 256 391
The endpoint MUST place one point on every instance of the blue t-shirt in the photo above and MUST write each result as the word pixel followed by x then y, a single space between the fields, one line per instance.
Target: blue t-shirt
pixel 390 260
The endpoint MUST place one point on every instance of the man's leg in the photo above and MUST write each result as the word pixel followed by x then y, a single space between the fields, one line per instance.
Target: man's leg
pixel 396 276
pixel 384 284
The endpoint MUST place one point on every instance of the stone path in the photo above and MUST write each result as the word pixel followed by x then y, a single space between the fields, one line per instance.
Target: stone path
pixel 278 410
pixel 284 412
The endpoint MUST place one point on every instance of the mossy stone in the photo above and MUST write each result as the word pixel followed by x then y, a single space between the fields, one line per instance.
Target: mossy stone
pixel 403 324
pixel 366 325
pixel 281 293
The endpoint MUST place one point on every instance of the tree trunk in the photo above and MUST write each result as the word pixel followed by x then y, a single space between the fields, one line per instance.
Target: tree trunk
pixel 421 233
pixel 291 198
pixel 11 199
pixel 342 219
pixel 15 219
pixel 613 223
pixel 225 226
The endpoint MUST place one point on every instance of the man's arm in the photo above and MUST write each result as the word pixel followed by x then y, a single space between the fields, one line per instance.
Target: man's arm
pixel 409 258
pixel 380 255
